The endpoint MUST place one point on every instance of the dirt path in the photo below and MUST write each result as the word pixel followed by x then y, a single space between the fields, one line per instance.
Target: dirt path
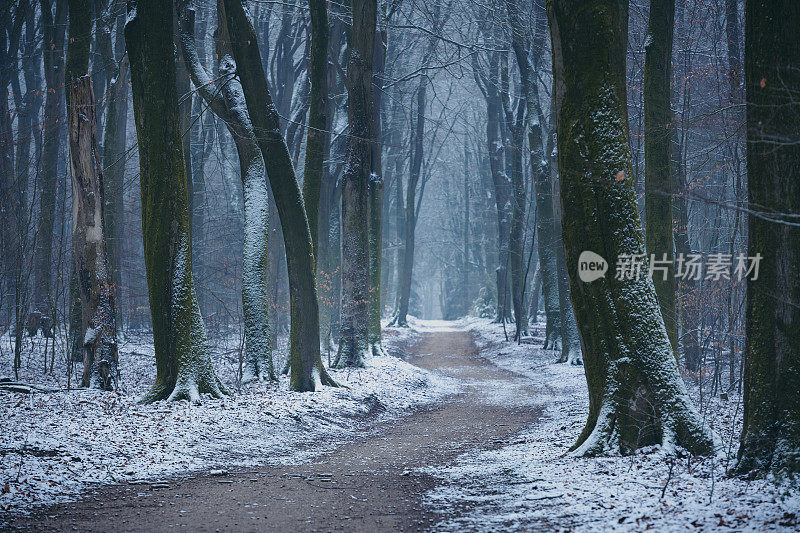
pixel 366 485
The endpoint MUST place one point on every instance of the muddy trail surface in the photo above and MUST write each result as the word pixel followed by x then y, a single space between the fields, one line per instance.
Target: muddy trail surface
pixel 370 484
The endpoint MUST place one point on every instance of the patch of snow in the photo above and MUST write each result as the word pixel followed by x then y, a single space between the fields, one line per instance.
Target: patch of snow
pixel 532 483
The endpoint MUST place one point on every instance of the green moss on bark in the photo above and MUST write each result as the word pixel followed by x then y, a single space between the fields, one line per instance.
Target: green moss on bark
pixel 183 363
pixel 771 432
pixel 636 394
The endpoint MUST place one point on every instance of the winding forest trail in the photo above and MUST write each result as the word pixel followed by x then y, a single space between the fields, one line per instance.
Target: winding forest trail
pixel 369 484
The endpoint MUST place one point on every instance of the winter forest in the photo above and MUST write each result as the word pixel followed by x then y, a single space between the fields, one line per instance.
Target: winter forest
pixel 389 265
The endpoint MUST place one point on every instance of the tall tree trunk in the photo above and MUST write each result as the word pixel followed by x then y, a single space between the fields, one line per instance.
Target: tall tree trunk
pixel 11 197
pixel 771 432
pixel 466 266
pixel 570 339
pixel 114 140
pixel 307 371
pixel 636 394
pixel 658 179
pixel 98 305
pixel 375 208
pixel 183 362
pixel 54 29
pixel 502 196
pixel 353 343
pixel 318 133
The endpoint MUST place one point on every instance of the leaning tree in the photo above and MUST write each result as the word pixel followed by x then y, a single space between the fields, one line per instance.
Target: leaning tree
pixel 636 394
pixel 307 371
pixel 225 99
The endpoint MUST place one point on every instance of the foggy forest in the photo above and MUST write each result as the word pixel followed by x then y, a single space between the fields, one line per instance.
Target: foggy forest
pixel 399 265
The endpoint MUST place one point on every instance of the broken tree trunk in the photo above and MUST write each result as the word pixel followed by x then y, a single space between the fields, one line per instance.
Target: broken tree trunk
pixel 98 307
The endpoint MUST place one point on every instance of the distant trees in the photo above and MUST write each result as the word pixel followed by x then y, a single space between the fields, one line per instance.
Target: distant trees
pixel 636 394
pixel 54 30
pixel 183 362
pixel 771 432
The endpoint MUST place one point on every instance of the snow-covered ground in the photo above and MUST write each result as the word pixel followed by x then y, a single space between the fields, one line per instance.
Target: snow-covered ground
pixel 54 446
pixel 532 483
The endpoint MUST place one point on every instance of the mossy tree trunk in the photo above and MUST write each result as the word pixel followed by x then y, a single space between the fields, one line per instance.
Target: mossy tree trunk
pixel 307 371
pixel 375 207
pixel 183 362
pixel 771 433
pixel 636 394
pixel 228 104
pixel 658 180
pixel 353 343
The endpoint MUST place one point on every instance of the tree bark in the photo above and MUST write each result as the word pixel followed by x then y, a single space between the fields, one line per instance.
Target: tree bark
pixel 543 184
pixel 354 342
pixel 771 432
pixel 375 208
pixel 307 372
pixel 98 305
pixel 636 394
pixel 114 141
pixel 183 362
pixel 318 133
pixel 658 181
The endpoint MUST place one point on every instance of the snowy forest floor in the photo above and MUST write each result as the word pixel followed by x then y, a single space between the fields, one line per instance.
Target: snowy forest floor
pixel 467 432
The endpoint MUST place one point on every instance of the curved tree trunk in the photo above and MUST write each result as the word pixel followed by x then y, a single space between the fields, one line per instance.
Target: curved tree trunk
pixel 307 371
pixel 183 362
pixel 771 432
pixel 636 394
pixel 229 105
